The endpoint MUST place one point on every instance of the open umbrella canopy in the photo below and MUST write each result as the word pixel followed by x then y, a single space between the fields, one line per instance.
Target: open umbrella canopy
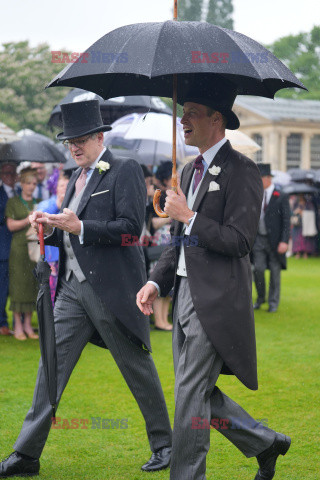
pixel 242 142
pixel 301 175
pixel 32 147
pixel 147 55
pixel 296 188
pixel 150 136
pixel 113 108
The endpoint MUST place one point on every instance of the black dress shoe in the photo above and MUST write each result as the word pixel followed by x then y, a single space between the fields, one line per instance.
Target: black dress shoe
pixel 272 310
pixel 257 305
pixel 158 461
pixel 267 459
pixel 18 465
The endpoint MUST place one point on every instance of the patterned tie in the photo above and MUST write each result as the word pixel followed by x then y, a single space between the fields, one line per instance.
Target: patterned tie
pixel 80 183
pixel 198 166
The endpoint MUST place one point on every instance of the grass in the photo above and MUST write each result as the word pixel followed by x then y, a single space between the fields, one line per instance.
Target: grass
pixel 288 360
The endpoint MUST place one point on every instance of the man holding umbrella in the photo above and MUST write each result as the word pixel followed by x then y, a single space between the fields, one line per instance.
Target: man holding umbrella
pixel 218 206
pixel 97 283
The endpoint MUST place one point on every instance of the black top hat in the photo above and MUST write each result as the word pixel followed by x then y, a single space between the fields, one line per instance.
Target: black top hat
pixel 220 96
pixel 81 118
pixel 265 169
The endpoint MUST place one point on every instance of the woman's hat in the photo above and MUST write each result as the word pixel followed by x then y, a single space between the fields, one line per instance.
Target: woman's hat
pixel 81 118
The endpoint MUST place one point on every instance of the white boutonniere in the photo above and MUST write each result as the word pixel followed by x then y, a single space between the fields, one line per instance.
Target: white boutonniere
pixel 214 170
pixel 103 166
pixel 213 187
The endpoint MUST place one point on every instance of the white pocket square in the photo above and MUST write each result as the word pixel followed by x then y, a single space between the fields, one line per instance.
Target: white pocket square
pixel 99 193
pixel 213 187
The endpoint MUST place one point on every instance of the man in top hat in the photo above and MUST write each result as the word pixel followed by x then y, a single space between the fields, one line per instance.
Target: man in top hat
pixel 271 244
pixel 97 284
pixel 217 208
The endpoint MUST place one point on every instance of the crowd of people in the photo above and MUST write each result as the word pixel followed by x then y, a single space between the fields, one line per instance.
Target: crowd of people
pixel 41 187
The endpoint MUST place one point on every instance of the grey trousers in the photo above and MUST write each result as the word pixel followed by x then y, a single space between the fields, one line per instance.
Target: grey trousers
pixel 78 311
pixel 200 403
pixel 265 258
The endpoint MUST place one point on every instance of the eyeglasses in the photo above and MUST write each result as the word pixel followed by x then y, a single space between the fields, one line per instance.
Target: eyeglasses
pixel 77 143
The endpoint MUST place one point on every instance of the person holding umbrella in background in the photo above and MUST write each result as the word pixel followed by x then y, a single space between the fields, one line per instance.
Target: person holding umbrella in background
pixel 218 205
pixel 97 283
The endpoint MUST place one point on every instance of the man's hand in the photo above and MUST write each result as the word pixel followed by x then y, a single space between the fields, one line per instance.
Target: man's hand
pixel 39 217
pixel 282 247
pixel 67 221
pixel 176 206
pixel 145 298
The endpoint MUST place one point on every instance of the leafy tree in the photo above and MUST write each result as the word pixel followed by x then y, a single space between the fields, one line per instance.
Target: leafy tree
pixel 218 12
pixel 301 53
pixel 24 73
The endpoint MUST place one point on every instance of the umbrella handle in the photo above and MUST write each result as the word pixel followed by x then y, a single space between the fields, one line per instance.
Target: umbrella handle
pixel 157 195
pixel 41 240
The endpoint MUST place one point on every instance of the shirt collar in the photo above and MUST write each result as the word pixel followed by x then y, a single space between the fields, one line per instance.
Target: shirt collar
pixel 209 155
pixel 94 164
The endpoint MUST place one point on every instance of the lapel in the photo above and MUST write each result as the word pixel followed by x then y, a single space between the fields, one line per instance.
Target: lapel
pixel 70 188
pixel 218 160
pixel 274 197
pixel 94 181
pixel 185 184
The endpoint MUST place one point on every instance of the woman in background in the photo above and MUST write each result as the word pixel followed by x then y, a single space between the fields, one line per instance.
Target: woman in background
pixel 23 286
pixel 53 205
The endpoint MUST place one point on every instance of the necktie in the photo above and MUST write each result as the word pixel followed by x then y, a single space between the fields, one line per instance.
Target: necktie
pixel 80 183
pixel 198 166
pixel 40 191
pixel 265 202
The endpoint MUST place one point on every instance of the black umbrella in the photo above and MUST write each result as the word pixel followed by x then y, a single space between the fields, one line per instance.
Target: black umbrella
pixel 46 325
pixel 32 148
pixel 151 53
pixel 168 57
pixel 300 175
pixel 295 188
pixel 113 108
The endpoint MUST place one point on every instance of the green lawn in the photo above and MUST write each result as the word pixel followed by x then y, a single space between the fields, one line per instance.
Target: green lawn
pixel 288 359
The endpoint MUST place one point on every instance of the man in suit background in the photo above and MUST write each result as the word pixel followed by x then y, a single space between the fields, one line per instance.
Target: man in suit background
pixel 8 178
pixel 218 208
pixel 97 284
pixel 271 244
pixel 41 191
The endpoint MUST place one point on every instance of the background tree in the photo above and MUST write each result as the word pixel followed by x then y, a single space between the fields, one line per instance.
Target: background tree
pixel 301 53
pixel 218 12
pixel 24 73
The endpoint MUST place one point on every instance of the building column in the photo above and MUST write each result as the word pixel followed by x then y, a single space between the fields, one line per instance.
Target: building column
pixel 274 150
pixel 283 152
pixel 306 150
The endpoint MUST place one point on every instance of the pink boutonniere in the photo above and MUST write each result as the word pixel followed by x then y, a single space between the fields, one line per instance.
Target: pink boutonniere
pixel 276 194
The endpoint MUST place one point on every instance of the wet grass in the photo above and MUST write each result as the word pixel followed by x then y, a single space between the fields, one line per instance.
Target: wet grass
pixel 288 359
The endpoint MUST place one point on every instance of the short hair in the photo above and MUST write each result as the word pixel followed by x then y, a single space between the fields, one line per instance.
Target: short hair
pixel 211 111
pixel 28 173
pixel 164 171
pixel 146 171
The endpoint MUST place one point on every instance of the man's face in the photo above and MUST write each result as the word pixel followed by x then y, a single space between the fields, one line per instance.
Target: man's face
pixel 200 130
pixel 8 175
pixel 86 149
pixel 41 170
pixel 266 181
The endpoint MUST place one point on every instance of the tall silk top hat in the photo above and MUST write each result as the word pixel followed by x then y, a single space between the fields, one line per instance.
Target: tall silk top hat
pixel 265 169
pixel 81 118
pixel 219 95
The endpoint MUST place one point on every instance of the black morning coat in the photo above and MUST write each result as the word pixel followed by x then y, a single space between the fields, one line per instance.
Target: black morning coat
pixel 218 266
pixel 115 272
